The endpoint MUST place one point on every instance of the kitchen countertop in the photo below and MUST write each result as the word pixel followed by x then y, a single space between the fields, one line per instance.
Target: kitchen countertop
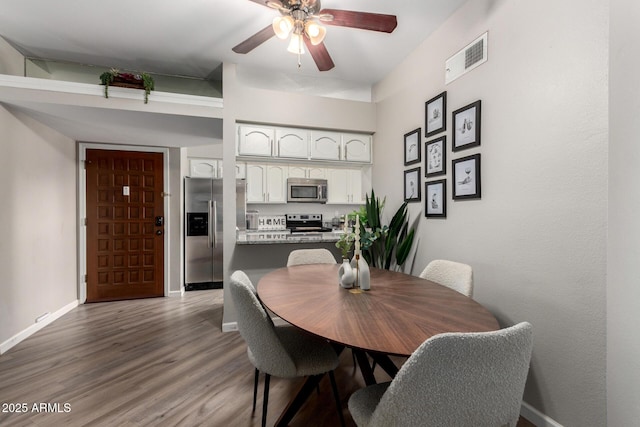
pixel 280 237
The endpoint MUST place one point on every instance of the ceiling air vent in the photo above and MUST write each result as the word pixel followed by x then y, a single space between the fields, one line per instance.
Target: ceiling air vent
pixel 467 59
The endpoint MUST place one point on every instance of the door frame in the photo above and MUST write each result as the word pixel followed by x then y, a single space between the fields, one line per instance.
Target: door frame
pixel 82 209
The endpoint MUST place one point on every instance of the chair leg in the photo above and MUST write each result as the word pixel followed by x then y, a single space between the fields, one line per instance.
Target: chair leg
pixel 265 400
pixel 334 386
pixel 255 389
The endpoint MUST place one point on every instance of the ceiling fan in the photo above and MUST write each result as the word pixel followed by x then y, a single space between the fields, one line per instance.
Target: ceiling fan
pixel 301 19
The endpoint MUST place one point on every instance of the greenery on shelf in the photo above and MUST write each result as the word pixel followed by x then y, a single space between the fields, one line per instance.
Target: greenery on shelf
pixel 114 77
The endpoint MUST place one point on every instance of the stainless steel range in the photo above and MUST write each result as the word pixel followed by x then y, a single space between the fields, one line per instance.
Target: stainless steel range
pixel 305 223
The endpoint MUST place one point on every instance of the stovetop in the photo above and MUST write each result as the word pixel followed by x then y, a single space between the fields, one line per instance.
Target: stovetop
pixel 305 223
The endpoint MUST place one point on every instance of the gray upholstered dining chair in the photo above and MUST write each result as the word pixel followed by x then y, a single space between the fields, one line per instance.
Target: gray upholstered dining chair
pixel 284 352
pixel 451 274
pixel 453 379
pixel 310 256
pixel 314 256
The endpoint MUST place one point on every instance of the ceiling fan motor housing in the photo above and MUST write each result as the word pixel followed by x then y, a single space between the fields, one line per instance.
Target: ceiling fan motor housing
pixel 309 7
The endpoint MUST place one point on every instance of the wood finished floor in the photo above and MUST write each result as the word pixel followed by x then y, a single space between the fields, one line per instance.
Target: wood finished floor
pixel 151 362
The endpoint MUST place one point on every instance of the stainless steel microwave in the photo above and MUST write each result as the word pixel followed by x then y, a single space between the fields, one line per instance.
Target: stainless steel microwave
pixel 307 190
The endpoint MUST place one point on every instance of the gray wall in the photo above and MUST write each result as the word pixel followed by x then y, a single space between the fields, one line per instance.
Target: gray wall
pixel 623 269
pixel 38 216
pixel 537 238
pixel 37 222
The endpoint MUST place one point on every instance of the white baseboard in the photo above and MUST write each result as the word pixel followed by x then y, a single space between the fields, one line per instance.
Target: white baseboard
pixel 537 417
pixel 21 336
pixel 176 293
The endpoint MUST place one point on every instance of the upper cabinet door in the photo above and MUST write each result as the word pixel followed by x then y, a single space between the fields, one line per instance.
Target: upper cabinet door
pixel 276 180
pixel 241 170
pixel 293 143
pixel 317 173
pixel 203 168
pixel 255 140
pixel 296 171
pixel 326 145
pixel 256 183
pixel 357 147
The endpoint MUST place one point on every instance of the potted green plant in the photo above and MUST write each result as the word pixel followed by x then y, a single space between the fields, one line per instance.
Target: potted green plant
pixel 345 243
pixel 114 77
pixel 384 246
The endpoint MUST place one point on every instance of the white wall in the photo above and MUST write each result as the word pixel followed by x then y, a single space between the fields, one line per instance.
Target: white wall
pixel 623 270
pixel 11 61
pixel 37 222
pixel 537 238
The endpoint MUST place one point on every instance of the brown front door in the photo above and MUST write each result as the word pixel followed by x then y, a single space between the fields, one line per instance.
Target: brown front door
pixel 125 225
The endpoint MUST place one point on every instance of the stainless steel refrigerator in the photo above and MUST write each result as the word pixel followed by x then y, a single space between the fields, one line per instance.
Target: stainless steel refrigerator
pixel 204 230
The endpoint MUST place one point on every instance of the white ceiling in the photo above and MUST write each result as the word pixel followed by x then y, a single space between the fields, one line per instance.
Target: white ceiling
pixel 193 37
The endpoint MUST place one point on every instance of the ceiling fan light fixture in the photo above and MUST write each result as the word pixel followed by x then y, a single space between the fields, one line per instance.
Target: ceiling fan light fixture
pixel 282 26
pixel 315 31
pixel 296 45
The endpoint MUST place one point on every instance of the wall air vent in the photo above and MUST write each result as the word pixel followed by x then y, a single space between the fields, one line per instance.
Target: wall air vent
pixel 467 59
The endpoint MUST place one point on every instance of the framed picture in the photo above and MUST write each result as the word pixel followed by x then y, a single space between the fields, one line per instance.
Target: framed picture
pixel 412 147
pixel 412 185
pixel 435 157
pixel 466 177
pixel 435 115
pixel 466 127
pixel 435 199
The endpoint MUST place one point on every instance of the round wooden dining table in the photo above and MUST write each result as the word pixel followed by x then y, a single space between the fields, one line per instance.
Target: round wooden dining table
pixel 394 317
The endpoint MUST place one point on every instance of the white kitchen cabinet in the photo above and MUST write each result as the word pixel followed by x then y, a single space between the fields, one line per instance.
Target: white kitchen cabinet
pixel 357 147
pixel 255 140
pixel 241 170
pixel 326 145
pixel 302 171
pixel 345 186
pixel 205 168
pixel 292 143
pixel 266 183
pixel 276 142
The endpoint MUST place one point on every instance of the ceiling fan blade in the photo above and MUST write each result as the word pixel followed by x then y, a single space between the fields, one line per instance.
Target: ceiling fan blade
pixel 362 20
pixel 255 40
pixel 320 55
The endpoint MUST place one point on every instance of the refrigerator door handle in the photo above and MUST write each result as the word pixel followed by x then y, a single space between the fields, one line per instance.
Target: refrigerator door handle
pixel 210 231
pixel 215 223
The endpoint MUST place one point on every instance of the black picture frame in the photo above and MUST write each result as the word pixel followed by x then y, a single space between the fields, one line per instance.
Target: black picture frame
pixel 435 115
pixel 435 157
pixel 412 147
pixel 466 126
pixel 435 199
pixel 412 179
pixel 466 178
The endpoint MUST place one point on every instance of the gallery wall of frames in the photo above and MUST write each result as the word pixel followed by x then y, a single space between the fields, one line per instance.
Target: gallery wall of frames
pixel 465 176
